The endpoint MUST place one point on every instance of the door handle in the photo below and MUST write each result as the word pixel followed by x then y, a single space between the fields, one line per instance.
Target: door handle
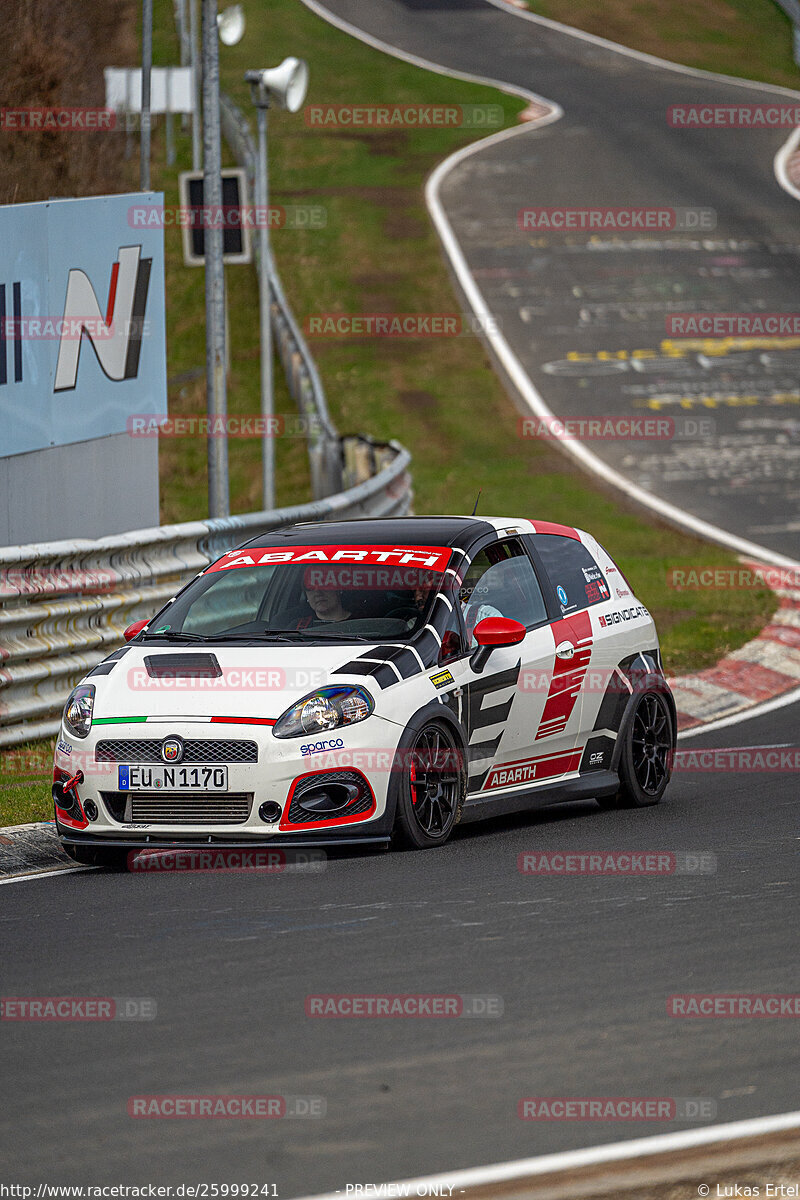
pixel 565 650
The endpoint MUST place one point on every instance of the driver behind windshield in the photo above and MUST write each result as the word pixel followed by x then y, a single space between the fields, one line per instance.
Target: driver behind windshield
pixel 325 600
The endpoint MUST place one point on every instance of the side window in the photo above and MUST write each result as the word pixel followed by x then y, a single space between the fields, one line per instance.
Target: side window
pixel 452 639
pixel 576 578
pixel 501 582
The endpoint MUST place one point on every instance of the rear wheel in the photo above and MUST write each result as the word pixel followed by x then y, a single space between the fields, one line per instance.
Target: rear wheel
pixel 110 857
pixel 432 788
pixel 645 763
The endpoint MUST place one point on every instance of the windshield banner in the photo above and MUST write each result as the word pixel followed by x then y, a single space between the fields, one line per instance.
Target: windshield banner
pixel 433 558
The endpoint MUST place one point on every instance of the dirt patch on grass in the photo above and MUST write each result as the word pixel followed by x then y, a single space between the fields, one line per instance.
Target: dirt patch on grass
pixel 53 56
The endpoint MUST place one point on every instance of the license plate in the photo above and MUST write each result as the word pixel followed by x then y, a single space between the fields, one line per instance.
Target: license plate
pixel 172 779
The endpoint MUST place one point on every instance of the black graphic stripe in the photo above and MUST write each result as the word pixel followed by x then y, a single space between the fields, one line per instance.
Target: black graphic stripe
pixel 18 333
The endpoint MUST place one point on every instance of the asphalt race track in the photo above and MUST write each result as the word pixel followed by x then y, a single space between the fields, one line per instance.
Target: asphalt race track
pixel 556 294
pixel 584 967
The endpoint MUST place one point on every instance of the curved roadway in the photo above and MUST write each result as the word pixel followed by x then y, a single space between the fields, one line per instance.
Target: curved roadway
pixel 560 294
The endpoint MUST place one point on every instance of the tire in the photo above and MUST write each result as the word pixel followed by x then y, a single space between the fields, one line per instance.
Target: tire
pixel 645 763
pixel 432 788
pixel 112 858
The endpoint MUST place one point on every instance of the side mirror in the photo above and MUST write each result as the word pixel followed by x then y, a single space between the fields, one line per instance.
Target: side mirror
pixel 134 629
pixel 492 632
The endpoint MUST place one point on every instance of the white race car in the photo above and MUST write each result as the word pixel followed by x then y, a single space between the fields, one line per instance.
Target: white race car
pixel 353 682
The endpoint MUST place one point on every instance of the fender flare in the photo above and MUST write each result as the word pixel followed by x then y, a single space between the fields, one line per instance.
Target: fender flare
pixel 652 682
pixel 432 711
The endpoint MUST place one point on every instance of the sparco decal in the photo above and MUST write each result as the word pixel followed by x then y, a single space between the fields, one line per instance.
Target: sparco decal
pixel 623 614
pixel 318 747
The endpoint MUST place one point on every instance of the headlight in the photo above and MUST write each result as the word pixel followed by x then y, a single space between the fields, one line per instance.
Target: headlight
pixel 78 711
pixel 328 708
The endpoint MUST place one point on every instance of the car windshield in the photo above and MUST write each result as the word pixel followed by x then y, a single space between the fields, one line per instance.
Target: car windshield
pixel 302 594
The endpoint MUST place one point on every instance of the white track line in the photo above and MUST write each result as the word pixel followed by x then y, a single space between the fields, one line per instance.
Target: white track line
pixel 505 355
pixel 746 714
pixel 43 875
pixel 781 164
pixel 571 1159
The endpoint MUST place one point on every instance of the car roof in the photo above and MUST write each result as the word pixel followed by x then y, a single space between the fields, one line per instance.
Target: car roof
pixel 432 531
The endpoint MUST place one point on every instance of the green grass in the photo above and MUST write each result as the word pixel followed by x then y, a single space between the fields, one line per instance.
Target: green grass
pixel 751 39
pixel 378 253
pixel 26 775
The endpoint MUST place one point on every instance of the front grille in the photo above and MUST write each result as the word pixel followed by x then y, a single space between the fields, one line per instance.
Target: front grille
pixel 179 808
pixel 195 750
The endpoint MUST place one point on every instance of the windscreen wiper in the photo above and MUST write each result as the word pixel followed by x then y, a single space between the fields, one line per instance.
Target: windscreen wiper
pixel 257 635
pixel 177 635
pixel 329 636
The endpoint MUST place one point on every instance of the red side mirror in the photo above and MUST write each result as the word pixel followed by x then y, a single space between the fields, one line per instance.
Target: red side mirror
pixel 499 631
pixel 135 628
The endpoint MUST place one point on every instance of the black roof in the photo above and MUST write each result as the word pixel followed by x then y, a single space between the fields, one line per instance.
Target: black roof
pixel 379 531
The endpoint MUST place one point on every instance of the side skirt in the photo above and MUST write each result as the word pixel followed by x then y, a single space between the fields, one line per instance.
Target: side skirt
pixel 479 807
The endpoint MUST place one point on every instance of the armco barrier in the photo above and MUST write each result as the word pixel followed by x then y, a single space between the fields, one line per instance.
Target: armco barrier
pixel 64 605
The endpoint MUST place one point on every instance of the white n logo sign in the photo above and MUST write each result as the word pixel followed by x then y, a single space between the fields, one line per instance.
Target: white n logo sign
pixel 116 338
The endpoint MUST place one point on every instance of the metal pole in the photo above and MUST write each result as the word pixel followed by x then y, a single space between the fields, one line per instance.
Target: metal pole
pixel 218 498
pixel 147 62
pixel 195 62
pixel 168 120
pixel 183 35
pixel 262 202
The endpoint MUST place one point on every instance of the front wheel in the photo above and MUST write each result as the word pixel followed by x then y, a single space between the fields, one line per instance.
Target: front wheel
pixel 111 857
pixel 432 788
pixel 645 763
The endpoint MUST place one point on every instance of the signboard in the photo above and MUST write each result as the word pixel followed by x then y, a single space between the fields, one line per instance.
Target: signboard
pixel 171 89
pixel 236 246
pixel 82 327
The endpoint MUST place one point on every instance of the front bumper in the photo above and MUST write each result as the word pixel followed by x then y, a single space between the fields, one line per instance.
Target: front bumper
pixel 278 773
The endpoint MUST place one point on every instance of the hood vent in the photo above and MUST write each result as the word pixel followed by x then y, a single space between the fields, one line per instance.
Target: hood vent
pixel 182 666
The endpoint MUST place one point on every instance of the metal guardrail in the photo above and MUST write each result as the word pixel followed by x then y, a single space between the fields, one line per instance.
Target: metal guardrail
pixel 65 605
